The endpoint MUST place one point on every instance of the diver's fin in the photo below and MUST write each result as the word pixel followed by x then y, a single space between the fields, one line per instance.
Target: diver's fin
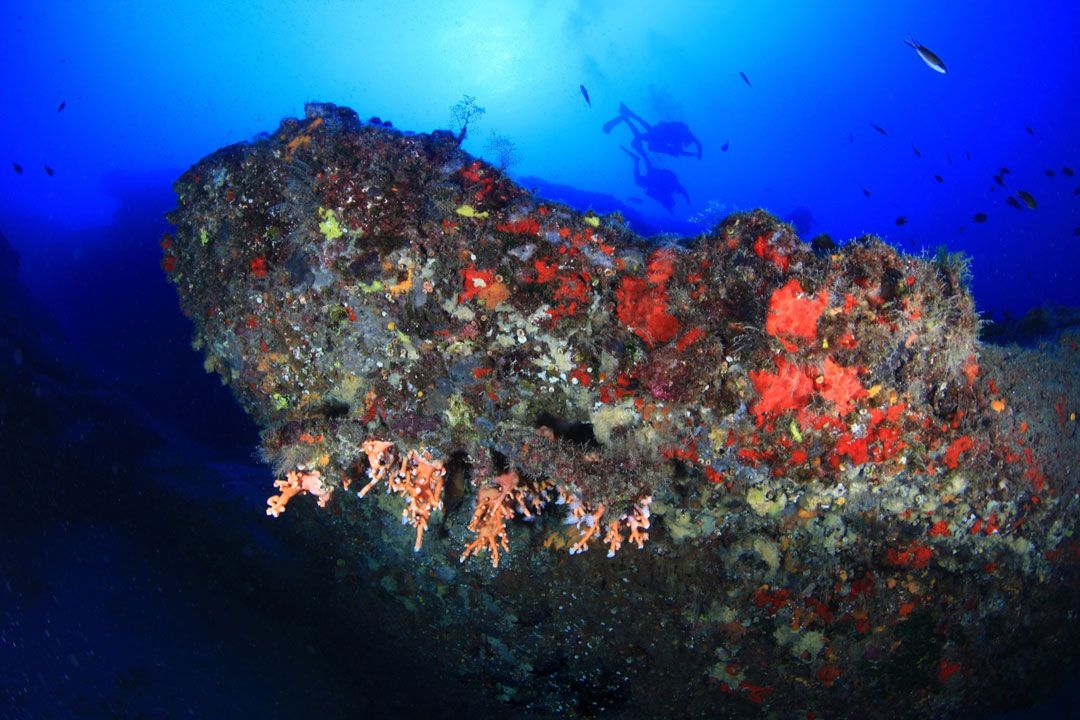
pixel 624 113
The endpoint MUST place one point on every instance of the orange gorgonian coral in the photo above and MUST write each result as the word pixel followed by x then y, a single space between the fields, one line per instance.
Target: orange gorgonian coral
pixel 296 482
pixel 418 478
pixel 494 506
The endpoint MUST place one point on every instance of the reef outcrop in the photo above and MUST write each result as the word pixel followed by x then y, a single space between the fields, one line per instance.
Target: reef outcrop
pixel 817 493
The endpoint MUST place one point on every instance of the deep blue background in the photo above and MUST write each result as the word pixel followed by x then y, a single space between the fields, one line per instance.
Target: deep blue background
pixel 149 91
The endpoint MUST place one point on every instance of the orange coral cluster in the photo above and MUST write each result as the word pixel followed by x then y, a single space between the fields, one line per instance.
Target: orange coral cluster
pixel 494 506
pixel 636 521
pixel 590 521
pixel 298 481
pixel 418 478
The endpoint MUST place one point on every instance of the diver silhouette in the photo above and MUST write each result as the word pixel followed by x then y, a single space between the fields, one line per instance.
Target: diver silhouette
pixel 660 184
pixel 670 138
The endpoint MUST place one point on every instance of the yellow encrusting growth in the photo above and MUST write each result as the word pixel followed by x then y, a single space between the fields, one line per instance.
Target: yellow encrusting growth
pixel 329 226
pixel 470 212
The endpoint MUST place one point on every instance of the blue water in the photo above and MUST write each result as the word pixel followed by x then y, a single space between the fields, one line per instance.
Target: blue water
pixel 146 92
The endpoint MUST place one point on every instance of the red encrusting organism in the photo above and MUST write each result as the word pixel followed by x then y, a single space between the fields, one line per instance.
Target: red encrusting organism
pixel 840 386
pixel 789 388
pixel 643 307
pixel 957 446
pixel 794 316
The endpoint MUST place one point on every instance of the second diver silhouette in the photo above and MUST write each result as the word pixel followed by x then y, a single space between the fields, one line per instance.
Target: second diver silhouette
pixel 659 184
pixel 667 137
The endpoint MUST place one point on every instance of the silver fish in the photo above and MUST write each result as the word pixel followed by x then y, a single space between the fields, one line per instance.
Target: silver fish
pixel 927 55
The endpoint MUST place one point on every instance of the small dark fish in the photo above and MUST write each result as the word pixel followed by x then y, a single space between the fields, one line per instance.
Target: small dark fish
pixel 1013 202
pixel 18 169
pixel 866 192
pixel 1004 171
pixel 585 94
pixel 949 158
pixel 939 178
pixel 917 153
pixel 48 171
pixel 745 79
pixel 1028 199
pixel 879 129
pixel 1067 171
pixel 1029 130
pixel 968 153
pixel 823 243
pixel 999 180
pixel 901 220
pixel 1049 172
pixel 724 147
pixel 850 138
pixel 1076 191
pixel 928 57
pixel 1076 232
pixel 63 104
pixel 979 217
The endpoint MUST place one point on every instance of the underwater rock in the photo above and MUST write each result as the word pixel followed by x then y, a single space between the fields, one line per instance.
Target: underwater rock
pixel 839 500
pixel 1036 324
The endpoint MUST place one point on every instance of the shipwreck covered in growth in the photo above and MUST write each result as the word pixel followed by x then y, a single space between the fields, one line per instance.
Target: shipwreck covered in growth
pixel 805 487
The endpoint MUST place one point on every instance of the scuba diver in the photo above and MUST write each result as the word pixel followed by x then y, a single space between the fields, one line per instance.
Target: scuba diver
pixel 670 138
pixel 659 184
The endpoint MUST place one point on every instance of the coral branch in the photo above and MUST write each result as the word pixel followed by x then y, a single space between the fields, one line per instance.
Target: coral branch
pixel 296 482
pixel 418 478
pixel 422 485
pixel 494 506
